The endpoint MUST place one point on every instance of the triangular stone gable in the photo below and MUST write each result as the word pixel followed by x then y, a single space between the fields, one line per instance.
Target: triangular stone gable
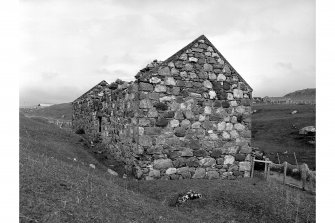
pixel 102 83
pixel 203 52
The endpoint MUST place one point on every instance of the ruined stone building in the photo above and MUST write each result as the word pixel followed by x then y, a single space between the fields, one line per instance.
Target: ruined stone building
pixel 186 117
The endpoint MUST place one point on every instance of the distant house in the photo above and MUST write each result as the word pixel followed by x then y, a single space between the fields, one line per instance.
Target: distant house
pixel 277 100
pixel 257 100
pixel 186 117
pixel 44 105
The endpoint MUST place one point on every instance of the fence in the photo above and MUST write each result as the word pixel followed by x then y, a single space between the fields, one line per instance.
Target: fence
pixel 302 170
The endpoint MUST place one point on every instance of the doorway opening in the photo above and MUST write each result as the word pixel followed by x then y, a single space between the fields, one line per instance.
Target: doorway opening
pixel 100 118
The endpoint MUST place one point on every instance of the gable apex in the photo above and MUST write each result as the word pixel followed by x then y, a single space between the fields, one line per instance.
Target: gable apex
pixel 199 45
pixel 101 83
pixel 206 40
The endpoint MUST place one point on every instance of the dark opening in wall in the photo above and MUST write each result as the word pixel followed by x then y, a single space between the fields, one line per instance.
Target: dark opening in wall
pixel 80 131
pixel 99 123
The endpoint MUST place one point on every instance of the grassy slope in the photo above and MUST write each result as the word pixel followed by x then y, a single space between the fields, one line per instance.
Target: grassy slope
pixel 242 200
pixel 54 188
pixel 272 131
pixel 58 111
pixel 308 94
pixel 60 190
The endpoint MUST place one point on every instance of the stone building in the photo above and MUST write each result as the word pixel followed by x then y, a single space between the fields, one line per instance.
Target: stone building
pixel 277 100
pixel 186 117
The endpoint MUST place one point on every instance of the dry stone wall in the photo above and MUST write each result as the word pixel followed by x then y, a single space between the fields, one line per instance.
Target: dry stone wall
pixel 107 115
pixel 121 134
pixel 186 117
pixel 88 107
pixel 194 117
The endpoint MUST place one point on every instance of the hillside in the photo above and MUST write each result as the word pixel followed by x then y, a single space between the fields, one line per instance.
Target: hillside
pixel 305 94
pixel 58 111
pixel 56 188
pixel 275 129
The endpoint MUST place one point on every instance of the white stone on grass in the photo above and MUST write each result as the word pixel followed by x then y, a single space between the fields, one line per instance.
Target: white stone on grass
pixel 112 172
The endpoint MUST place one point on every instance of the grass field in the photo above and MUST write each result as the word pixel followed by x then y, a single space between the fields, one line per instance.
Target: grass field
pixel 58 111
pixel 272 132
pixel 56 188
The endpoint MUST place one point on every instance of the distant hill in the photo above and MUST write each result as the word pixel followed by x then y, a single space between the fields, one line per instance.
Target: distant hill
pixel 308 94
pixel 58 111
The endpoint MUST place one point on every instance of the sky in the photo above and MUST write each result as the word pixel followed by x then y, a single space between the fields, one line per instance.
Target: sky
pixel 68 46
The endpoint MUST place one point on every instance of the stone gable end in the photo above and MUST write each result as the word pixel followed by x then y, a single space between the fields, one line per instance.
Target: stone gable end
pixel 186 117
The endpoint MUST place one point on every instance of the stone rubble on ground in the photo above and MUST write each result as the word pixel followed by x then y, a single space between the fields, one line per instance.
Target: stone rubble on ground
pixel 307 130
pixel 294 112
pixel 112 172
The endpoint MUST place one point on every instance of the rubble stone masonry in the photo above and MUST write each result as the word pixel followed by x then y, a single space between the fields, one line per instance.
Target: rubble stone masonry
pixel 186 117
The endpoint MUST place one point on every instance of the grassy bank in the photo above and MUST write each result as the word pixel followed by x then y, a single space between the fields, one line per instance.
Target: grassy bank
pixel 56 188
pixel 272 131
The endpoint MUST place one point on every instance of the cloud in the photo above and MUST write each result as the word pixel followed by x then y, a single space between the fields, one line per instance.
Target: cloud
pixel 285 66
pixel 49 75
pixel 34 95
pixel 78 43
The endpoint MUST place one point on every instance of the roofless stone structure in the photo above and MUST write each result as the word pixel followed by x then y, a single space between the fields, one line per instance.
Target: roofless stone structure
pixel 186 117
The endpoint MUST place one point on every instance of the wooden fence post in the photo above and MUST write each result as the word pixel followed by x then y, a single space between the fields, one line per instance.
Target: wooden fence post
pixel 278 158
pixel 252 166
pixel 285 169
pixel 304 168
pixel 296 161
